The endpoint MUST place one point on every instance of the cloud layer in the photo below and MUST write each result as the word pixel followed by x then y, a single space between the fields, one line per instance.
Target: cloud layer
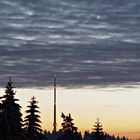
pixel 83 42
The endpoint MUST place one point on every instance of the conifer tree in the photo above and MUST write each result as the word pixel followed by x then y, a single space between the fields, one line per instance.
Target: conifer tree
pixel 2 123
pixel 68 125
pixel 98 133
pixel 68 129
pixel 10 115
pixel 32 121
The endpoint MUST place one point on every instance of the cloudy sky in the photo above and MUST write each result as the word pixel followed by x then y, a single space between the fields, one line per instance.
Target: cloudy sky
pixel 83 42
pixel 93 45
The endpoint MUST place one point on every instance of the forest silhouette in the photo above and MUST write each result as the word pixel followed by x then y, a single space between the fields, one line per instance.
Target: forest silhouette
pixel 14 127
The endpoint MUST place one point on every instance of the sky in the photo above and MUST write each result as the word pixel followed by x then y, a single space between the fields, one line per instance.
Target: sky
pixel 92 46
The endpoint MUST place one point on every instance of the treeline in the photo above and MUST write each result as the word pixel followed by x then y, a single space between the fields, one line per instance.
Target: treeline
pixel 13 127
pixel 69 132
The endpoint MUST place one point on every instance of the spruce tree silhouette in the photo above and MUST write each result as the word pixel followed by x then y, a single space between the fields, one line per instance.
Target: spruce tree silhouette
pixel 2 124
pixel 98 133
pixel 10 115
pixel 69 131
pixel 68 125
pixel 32 127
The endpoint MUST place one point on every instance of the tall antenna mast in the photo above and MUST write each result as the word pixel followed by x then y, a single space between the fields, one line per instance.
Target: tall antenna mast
pixel 54 124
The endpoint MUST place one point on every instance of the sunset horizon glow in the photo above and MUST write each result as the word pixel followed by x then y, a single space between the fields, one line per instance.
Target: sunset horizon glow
pixel 116 107
pixel 93 46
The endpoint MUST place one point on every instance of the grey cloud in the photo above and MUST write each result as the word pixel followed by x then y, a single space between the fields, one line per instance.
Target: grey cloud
pixel 83 42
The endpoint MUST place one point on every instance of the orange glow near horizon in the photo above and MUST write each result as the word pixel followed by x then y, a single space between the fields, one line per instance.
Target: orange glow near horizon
pixel 118 108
